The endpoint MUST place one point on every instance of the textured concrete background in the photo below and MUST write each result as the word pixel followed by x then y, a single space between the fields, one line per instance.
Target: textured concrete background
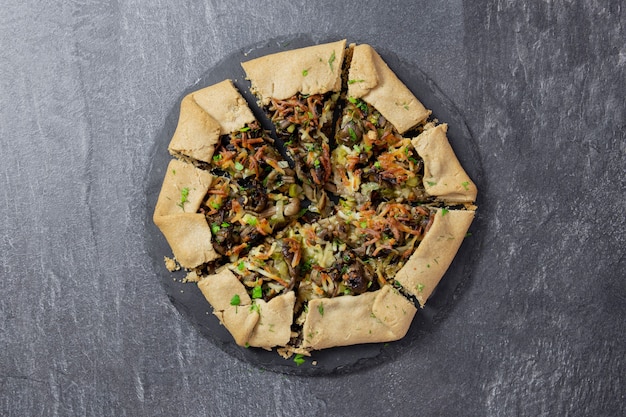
pixel 85 329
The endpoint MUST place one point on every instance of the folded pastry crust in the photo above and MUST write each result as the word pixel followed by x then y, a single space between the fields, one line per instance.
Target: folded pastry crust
pixel 311 70
pixel 182 175
pixel 175 214
pixel 204 116
pixel 189 237
pixel 251 322
pixel 444 176
pixel 225 104
pixel 370 79
pixel 435 253
pixel 380 316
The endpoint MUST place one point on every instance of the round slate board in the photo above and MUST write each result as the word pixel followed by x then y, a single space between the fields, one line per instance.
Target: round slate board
pixel 187 297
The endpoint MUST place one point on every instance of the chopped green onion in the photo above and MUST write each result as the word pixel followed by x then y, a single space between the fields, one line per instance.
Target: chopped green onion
pixel 352 134
pixel 244 129
pixel 184 193
pixel 238 166
pixel 331 60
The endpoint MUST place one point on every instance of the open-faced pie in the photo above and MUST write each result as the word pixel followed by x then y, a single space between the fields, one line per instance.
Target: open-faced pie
pixel 338 240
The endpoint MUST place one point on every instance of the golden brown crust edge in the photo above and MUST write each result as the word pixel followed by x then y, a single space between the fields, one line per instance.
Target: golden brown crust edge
pixel 380 316
pixel 435 253
pixel 311 70
pixel 370 79
pixel 251 323
pixel 444 176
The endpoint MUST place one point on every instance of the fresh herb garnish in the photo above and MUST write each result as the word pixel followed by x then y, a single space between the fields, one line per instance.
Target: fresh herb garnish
pixel 244 129
pixel 444 211
pixel 331 60
pixel 215 228
pixel 320 309
pixel 184 193
pixel 257 292
pixel 420 287
pixel 352 134
pixel 299 359
pixel 241 266
pixel 235 301
pixel 238 166
pixel 305 72
pixel 355 81
pixel 431 183
pixel 465 185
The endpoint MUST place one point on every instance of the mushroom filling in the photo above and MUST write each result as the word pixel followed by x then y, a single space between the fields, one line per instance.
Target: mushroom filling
pixel 304 123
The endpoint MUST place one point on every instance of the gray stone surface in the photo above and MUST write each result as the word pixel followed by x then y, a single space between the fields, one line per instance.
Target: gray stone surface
pixel 86 329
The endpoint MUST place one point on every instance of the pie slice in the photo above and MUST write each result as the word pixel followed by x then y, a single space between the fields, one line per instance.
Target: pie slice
pixel 298 90
pixel 252 322
pixel 253 192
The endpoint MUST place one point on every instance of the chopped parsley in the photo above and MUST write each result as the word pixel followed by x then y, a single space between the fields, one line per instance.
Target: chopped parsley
pixel 217 157
pixel 236 300
pixel 255 307
pixel 305 72
pixel 225 224
pixel 377 165
pixel 444 211
pixel 431 183
pixel 241 266
pixel 355 81
pixel 420 287
pixel 251 221
pixel 465 185
pixel 215 228
pixel 320 308
pixel 299 359
pixel 257 292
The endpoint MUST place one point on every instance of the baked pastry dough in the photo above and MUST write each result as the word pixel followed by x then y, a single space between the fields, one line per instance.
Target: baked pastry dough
pixel 334 247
